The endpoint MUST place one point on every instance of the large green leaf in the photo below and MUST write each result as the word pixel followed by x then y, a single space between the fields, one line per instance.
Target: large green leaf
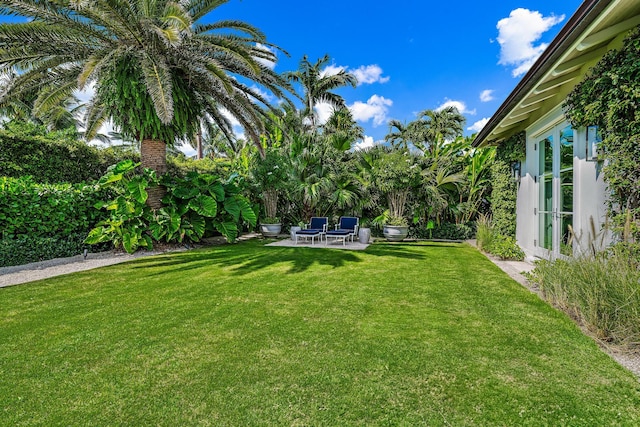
pixel 138 189
pixel 240 204
pixel 198 223
pixel 228 229
pixel 98 235
pixel 217 191
pixel 204 205
pixel 124 166
pixel 185 192
pixel 129 242
pixel 232 206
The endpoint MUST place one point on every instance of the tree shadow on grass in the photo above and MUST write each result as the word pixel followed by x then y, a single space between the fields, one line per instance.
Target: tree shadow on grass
pixel 241 260
pixel 248 257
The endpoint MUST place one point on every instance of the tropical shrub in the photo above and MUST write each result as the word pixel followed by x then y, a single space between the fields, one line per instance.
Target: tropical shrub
pixel 395 174
pixel 128 214
pixel 270 174
pixel 490 240
pixel 193 205
pixel 34 216
pixel 504 193
pixel 505 247
pixel 50 157
pixel 452 231
pixel 601 291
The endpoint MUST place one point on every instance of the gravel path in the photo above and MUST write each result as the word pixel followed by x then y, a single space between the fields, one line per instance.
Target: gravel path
pixel 42 270
pixel 19 274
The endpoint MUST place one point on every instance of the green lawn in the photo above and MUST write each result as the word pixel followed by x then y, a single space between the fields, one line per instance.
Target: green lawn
pixel 405 334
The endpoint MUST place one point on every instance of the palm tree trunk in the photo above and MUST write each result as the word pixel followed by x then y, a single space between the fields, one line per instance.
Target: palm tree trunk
pixel 153 155
pixel 199 144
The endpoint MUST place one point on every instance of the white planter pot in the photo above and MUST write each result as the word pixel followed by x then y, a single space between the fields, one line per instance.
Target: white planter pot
pixel 395 233
pixel 364 235
pixel 294 229
pixel 270 230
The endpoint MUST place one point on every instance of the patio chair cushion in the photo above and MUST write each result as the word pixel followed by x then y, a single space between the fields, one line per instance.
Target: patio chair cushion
pixel 339 232
pixel 348 223
pixel 309 232
pixel 318 223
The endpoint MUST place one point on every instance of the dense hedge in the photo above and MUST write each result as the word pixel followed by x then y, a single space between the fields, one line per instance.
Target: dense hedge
pixel 24 250
pixel 48 157
pixel 33 214
pixel 504 191
pixel 609 97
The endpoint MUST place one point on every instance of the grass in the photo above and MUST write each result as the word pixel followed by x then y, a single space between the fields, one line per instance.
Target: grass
pixel 422 334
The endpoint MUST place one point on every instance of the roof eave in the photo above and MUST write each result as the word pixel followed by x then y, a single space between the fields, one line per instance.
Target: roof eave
pixel 584 16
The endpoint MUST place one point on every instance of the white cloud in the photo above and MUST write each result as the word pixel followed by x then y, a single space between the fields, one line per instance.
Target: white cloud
pixel 365 74
pixel 269 64
pixel 517 35
pixel 486 95
pixel 323 112
pixel 368 74
pixel 234 122
pixel 461 106
pixel 375 108
pixel 262 93
pixel 477 126
pixel 367 142
pixel 331 70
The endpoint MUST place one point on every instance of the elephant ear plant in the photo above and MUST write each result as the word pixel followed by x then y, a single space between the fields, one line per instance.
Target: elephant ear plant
pixel 194 205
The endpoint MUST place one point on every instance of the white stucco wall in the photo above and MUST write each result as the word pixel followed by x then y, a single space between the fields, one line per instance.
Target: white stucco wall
pixel 589 196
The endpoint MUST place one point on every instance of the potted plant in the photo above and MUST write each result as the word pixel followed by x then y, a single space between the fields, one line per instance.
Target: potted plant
pixel 270 174
pixel 396 174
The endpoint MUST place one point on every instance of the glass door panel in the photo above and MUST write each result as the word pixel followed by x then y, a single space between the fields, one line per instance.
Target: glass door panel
pixel 555 191
pixel 545 204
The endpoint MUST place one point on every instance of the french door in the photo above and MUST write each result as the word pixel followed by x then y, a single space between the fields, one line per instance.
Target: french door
pixel 555 191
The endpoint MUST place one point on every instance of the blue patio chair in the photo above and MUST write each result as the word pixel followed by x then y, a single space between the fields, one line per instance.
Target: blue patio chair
pixel 317 227
pixel 347 228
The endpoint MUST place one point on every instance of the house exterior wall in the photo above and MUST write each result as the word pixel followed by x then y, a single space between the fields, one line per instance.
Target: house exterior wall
pixel 589 192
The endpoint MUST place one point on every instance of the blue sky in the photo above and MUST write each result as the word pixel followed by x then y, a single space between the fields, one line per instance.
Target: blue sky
pixel 410 55
pixel 416 54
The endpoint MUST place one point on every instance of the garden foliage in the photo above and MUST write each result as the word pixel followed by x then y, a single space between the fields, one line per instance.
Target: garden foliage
pixel 609 97
pixel 193 205
pixel 601 291
pixel 35 216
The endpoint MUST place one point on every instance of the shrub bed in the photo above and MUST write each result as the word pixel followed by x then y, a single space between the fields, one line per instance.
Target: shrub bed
pixel 603 292
pixel 37 217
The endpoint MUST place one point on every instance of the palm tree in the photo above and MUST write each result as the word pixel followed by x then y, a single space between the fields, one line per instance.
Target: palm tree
pixel 434 127
pixel 317 86
pixel 399 138
pixel 156 70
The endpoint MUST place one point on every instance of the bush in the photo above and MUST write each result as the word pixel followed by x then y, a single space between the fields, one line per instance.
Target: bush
pixel 55 157
pixel 29 209
pixel 28 249
pixel 602 291
pixel 35 216
pixel 489 239
pixel 505 247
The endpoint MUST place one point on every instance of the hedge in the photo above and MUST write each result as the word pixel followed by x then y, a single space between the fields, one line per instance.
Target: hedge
pixel 31 213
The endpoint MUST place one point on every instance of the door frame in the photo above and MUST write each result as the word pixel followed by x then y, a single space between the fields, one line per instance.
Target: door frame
pixel 552 125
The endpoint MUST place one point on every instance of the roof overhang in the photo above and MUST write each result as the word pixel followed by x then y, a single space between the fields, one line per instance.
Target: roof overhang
pixel 596 27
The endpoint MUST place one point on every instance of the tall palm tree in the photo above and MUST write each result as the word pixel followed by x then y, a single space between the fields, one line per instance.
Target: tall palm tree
pixel 318 86
pixel 434 127
pixel 400 137
pixel 156 70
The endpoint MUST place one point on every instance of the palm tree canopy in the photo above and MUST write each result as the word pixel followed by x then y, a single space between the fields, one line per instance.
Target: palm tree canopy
pixel 317 85
pixel 156 71
pixel 434 127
